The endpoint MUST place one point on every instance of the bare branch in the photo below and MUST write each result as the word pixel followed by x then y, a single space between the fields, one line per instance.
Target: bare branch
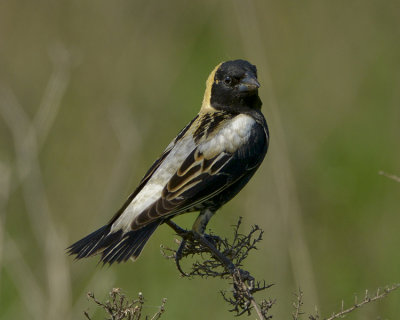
pixel 225 262
pixel 367 299
pixel 297 306
pixel 119 307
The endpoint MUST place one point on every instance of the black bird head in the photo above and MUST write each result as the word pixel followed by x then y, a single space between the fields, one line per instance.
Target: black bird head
pixel 233 86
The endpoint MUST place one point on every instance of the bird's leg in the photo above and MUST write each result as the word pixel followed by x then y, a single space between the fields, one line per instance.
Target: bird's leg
pixel 200 225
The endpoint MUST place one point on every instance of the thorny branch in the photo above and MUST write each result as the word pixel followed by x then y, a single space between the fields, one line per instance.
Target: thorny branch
pixel 297 313
pixel 119 307
pixel 234 252
pixel 367 299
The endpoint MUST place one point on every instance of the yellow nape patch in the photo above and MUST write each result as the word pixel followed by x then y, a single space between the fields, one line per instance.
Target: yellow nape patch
pixel 206 106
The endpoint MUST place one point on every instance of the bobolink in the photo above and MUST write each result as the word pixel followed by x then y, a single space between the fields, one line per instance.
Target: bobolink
pixel 204 167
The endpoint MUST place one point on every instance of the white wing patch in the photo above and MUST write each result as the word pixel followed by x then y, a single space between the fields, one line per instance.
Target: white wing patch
pixel 230 137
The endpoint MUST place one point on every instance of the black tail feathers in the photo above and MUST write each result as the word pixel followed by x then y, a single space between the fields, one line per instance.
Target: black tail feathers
pixel 114 247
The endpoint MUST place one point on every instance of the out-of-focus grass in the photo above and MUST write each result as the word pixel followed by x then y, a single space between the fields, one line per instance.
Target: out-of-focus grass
pixel 123 77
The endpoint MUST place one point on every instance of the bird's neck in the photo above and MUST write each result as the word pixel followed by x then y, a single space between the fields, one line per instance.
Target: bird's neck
pixel 248 103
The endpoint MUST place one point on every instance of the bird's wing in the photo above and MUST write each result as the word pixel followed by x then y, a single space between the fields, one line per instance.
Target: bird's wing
pixel 151 171
pixel 204 174
pixel 197 180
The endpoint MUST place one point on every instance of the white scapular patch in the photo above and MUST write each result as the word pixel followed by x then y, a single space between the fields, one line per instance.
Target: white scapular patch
pixel 230 137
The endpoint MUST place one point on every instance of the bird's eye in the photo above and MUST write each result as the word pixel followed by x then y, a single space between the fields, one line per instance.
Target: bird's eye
pixel 228 80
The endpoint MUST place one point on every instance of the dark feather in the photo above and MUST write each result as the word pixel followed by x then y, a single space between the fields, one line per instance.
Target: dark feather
pixel 129 245
pixel 88 245
pixel 210 123
pixel 115 247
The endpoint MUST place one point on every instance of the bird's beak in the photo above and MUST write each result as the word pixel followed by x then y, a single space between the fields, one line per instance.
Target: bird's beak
pixel 248 84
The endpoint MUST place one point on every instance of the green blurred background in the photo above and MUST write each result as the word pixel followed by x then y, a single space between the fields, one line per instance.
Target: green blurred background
pixel 92 91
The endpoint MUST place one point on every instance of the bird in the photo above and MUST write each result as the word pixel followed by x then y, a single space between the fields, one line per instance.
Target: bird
pixel 210 160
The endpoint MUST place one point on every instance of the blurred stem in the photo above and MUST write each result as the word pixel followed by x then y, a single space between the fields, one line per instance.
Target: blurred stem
pixel 390 176
pixel 28 138
pixel 253 45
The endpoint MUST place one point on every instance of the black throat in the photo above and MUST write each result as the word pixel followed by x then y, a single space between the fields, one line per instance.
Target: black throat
pixel 223 100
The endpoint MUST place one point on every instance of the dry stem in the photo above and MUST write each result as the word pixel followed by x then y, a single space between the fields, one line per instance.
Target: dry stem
pixel 119 307
pixel 234 253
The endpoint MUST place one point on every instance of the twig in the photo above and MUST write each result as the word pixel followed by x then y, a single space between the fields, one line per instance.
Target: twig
pixel 297 305
pixel 161 311
pixel 367 299
pixel 120 307
pixel 246 291
pixel 390 176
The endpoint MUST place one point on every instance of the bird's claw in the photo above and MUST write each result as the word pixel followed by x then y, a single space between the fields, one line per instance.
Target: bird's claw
pixel 178 257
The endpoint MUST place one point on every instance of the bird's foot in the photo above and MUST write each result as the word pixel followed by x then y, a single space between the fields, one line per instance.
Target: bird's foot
pixel 178 257
pixel 208 241
pixel 215 240
pixel 186 235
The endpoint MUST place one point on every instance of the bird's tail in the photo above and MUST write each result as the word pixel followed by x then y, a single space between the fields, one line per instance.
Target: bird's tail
pixel 114 247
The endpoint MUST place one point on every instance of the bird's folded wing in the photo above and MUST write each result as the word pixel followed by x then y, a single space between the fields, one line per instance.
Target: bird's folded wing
pixel 151 171
pixel 200 177
pixel 196 180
